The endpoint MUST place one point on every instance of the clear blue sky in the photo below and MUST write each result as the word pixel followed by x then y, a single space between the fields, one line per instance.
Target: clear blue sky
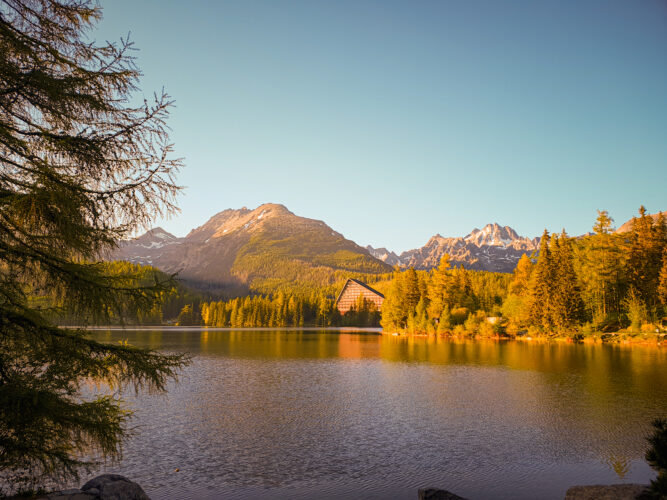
pixel 393 121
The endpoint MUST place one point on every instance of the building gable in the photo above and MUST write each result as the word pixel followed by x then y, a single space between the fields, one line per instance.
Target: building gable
pixel 351 291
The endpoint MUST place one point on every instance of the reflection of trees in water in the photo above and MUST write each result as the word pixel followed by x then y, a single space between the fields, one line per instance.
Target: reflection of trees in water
pixel 293 404
pixel 620 464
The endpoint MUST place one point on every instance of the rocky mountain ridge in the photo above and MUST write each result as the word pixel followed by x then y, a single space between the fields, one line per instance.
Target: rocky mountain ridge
pixel 257 249
pixel 269 246
pixel 492 248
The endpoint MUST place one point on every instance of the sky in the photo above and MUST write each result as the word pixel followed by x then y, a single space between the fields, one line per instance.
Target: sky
pixel 396 120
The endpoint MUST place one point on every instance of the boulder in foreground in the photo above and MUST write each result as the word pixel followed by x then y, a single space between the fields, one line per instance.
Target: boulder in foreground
pixel 104 487
pixel 436 494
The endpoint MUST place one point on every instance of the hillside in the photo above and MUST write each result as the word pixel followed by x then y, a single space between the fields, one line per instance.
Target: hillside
pixel 265 249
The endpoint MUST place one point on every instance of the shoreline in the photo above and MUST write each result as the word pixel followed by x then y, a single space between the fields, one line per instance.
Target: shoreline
pixel 593 340
pixel 615 338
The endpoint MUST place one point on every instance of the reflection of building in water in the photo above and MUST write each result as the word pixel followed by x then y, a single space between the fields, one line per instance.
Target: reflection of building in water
pixel 350 293
pixel 351 347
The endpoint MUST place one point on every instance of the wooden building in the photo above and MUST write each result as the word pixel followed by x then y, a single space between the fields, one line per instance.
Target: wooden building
pixel 350 294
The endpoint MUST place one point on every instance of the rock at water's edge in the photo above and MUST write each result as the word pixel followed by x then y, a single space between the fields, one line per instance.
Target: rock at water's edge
pixel 115 487
pixel 436 494
pixel 104 487
pixel 611 492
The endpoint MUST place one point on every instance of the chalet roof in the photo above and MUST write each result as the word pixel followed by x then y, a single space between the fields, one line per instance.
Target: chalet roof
pixel 358 283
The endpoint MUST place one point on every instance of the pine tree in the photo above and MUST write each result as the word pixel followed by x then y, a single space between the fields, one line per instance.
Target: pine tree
pixel 603 223
pixel 516 306
pixel 445 320
pixel 599 268
pixel 412 292
pixel 662 286
pixel 81 169
pixel 187 316
pixel 647 241
pixel 394 308
pixel 566 304
pixel 541 286
pixel 438 288
pixel 521 278
pixel 421 318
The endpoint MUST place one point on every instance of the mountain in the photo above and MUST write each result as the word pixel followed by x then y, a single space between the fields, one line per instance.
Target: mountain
pixel 269 248
pixel 627 226
pixel 148 247
pixel 264 249
pixel 384 255
pixel 492 248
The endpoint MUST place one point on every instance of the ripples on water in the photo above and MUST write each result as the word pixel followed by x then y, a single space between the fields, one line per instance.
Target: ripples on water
pixel 298 414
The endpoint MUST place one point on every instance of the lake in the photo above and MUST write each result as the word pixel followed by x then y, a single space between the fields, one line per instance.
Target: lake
pixel 353 414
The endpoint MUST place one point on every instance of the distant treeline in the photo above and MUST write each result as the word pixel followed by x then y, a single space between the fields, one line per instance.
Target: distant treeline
pixel 177 304
pixel 279 310
pixel 601 282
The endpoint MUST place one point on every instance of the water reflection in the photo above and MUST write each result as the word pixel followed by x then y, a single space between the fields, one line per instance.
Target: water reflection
pixel 300 413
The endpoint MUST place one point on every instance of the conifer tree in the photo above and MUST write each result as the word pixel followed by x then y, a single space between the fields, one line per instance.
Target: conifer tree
pixel 395 308
pixel 445 320
pixel 80 170
pixel 521 276
pixel 541 285
pixel 438 288
pixel 603 223
pixel 566 306
pixel 647 241
pixel 412 292
pixel 599 267
pixel 662 285
pixel 516 306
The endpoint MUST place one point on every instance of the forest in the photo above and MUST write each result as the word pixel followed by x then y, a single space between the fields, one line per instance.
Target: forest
pixel 574 287
pixel 600 283
pixel 178 304
pixel 316 309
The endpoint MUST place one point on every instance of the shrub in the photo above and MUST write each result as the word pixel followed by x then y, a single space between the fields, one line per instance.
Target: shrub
pixel 459 315
pixel 635 309
pixel 459 330
pixel 648 328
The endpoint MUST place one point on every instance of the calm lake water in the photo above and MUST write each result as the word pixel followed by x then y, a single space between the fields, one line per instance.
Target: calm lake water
pixel 328 414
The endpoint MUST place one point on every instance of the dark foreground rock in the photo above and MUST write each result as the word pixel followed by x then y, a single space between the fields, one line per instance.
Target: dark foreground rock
pixel 612 492
pixel 104 487
pixel 436 494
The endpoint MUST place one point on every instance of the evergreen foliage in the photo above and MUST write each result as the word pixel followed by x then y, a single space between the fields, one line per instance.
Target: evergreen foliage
pixel 284 310
pixel 363 313
pixel 599 282
pixel 572 285
pixel 656 456
pixel 662 282
pixel 647 242
pixel 599 262
pixel 436 301
pixel 80 169
pixel 541 286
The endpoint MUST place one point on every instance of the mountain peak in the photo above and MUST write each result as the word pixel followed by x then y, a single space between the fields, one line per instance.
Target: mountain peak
pixel 492 235
pixel 158 232
pixel 265 247
pixel 274 206
pixel 230 220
